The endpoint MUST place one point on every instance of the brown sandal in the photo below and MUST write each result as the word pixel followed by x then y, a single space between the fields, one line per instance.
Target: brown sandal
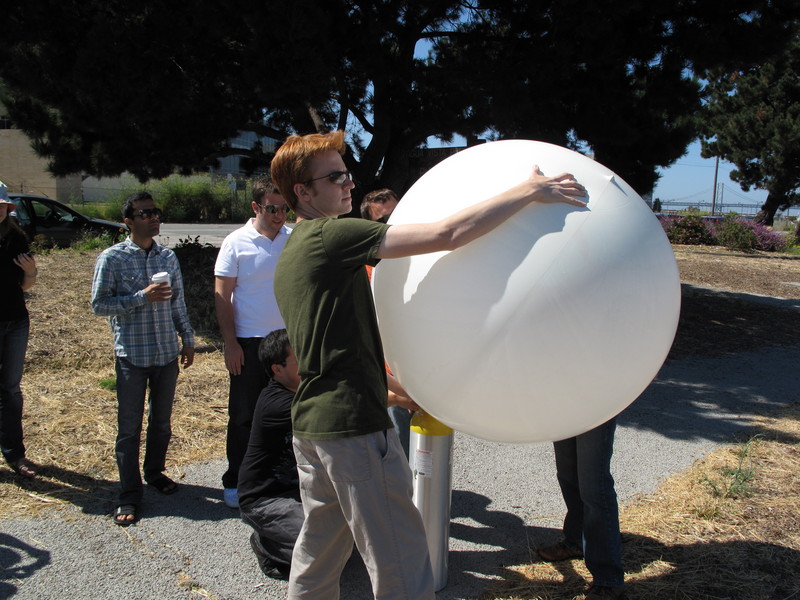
pixel 24 468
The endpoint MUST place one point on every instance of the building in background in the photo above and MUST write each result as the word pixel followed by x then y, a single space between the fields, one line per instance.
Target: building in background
pixel 26 173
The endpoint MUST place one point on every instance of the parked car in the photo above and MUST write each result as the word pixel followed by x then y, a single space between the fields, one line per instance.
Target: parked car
pixel 61 224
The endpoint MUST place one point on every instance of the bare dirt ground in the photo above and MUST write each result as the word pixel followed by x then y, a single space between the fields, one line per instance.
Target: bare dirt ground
pixel 714 323
pixel 762 273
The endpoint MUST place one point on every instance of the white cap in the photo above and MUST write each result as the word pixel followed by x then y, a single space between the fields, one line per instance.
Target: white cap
pixel 4 195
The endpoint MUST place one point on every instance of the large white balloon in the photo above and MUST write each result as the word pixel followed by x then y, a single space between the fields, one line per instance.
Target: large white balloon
pixel 544 328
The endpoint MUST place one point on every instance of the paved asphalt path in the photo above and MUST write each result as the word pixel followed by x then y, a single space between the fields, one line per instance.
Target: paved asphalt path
pixel 172 233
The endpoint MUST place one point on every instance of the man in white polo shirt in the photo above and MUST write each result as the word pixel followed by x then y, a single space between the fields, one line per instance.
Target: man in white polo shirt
pixel 246 313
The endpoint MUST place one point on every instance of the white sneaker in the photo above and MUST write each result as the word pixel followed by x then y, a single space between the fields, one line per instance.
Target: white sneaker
pixel 231 497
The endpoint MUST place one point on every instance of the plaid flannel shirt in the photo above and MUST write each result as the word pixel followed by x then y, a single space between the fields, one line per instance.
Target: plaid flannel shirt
pixel 145 333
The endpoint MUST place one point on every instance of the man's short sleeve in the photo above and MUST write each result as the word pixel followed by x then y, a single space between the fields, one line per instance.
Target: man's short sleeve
pixel 226 264
pixel 353 241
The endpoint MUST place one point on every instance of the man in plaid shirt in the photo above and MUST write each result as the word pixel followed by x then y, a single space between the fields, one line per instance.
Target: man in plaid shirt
pixel 146 319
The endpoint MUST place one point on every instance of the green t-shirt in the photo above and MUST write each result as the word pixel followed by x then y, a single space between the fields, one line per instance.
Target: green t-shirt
pixel 323 294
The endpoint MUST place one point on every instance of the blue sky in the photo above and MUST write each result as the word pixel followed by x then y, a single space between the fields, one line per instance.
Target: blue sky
pixel 691 179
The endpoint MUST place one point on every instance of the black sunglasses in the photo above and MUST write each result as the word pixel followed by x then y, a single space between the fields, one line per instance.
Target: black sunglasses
pixel 274 208
pixel 335 177
pixel 149 213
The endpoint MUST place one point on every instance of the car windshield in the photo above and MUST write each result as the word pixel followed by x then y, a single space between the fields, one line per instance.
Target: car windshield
pixel 51 212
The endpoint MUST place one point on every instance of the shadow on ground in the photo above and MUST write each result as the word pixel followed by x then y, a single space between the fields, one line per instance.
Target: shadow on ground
pixel 736 570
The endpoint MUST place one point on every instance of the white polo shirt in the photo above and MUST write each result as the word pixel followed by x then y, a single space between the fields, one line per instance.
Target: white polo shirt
pixel 251 257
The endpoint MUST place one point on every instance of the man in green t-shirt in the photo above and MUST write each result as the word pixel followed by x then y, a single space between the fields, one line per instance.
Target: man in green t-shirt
pixel 354 479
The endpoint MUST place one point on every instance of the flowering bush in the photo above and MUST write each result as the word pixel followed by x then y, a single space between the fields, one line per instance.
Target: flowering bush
pixel 736 233
pixel 690 230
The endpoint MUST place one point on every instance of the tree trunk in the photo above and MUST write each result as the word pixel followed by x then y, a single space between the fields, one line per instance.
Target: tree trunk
pixel 766 215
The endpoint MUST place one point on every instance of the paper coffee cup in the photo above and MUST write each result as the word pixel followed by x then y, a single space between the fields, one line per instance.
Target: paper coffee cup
pixel 162 277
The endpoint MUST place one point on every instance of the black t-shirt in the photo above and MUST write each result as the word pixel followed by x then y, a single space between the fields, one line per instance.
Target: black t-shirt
pixel 269 467
pixel 12 300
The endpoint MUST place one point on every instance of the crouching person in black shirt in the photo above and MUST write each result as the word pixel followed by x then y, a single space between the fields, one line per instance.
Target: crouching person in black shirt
pixel 269 493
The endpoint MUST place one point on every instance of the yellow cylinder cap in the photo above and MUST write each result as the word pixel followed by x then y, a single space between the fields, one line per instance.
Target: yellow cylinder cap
pixel 424 424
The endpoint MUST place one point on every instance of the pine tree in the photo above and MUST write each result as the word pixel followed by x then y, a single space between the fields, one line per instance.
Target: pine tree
pixel 752 120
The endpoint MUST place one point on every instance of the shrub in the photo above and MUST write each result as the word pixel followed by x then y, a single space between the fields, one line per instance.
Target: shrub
pixel 197 266
pixel 690 230
pixel 740 234
pixel 186 199
pixel 194 199
pixel 769 240
pixel 91 240
pixel 41 244
pixel 110 211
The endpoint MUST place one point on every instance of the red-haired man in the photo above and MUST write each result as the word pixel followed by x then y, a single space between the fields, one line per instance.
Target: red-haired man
pixel 355 480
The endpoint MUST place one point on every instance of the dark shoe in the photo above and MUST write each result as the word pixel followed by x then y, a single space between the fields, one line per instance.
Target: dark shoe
pixel 126 510
pixel 560 551
pixel 24 468
pixel 269 567
pixel 164 485
pixel 604 592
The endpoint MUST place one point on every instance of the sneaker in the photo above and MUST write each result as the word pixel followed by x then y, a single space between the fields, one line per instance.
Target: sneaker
pixel 560 551
pixel 601 592
pixel 231 497
pixel 267 566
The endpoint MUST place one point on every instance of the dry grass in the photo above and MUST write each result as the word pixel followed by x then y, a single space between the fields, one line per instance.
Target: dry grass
pixel 726 528
pixel 70 419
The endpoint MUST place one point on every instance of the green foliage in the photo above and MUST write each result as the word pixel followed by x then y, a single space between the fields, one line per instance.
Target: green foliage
pixel 90 240
pixel 736 482
pixel 191 199
pixel 352 64
pixel 734 232
pixel 108 383
pixel 110 211
pixel 690 229
pixel 735 235
pixel 752 119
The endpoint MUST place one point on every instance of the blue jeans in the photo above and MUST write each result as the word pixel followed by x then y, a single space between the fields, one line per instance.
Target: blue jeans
pixel 401 419
pixel 583 464
pixel 132 384
pixel 13 345
pixel 244 391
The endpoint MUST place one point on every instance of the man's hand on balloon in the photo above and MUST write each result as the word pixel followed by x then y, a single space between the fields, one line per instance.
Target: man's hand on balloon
pixel 561 188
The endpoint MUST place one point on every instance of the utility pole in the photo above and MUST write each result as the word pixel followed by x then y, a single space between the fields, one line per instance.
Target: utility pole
pixel 714 190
